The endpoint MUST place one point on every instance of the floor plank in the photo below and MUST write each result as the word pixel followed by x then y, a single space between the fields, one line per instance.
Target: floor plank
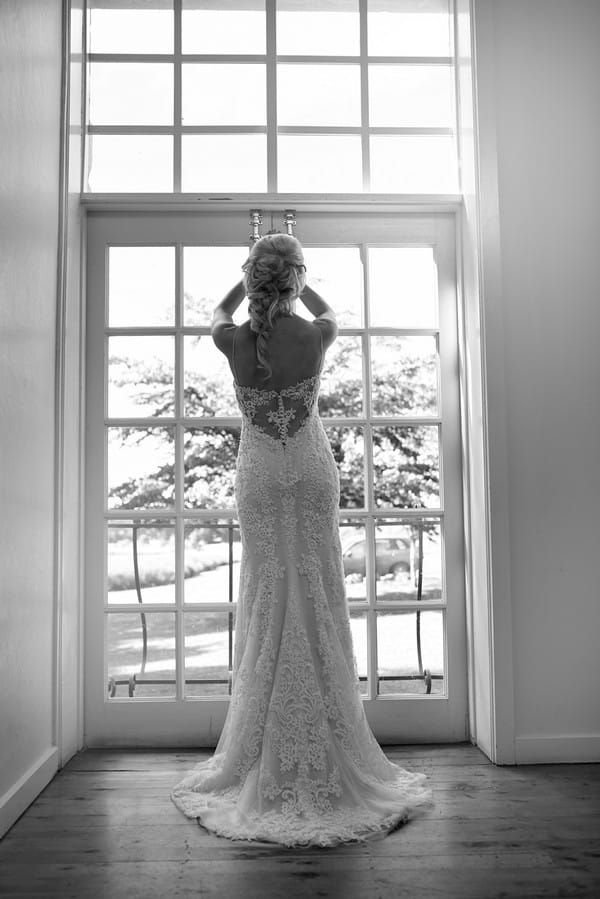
pixel 105 827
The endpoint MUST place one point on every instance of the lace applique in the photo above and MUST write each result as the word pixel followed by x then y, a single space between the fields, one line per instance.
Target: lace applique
pixel 273 411
pixel 296 762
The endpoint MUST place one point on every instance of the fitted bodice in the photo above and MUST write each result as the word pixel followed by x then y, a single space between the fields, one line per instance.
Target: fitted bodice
pixel 279 413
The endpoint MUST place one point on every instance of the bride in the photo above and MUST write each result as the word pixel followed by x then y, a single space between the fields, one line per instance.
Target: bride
pixel 296 763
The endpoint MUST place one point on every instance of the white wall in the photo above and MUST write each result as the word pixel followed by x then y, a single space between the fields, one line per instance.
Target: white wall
pixel 545 94
pixel 542 371
pixel 30 55
pixel 69 407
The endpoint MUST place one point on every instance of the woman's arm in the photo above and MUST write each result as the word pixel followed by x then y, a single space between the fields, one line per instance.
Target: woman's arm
pixel 324 315
pixel 222 326
pixel 225 309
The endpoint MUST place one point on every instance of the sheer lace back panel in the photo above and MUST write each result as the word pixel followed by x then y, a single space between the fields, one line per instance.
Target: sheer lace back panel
pixel 279 413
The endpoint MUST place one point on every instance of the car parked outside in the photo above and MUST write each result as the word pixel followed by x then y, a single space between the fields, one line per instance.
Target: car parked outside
pixel 392 556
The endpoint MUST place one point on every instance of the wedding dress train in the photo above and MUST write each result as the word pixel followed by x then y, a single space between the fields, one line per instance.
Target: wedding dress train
pixel 297 763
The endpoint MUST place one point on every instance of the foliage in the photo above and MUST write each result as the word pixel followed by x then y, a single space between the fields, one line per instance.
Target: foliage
pixel 404 458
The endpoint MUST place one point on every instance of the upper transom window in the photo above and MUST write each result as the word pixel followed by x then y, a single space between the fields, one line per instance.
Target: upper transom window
pixel 271 96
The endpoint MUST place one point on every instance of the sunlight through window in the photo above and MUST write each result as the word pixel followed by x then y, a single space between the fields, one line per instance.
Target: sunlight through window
pixel 271 96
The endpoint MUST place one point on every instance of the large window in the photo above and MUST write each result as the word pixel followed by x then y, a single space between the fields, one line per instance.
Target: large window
pixel 271 96
pixel 163 431
pixel 332 108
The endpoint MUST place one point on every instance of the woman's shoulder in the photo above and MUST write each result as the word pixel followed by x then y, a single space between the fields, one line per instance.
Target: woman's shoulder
pixel 301 328
pixel 325 328
pixel 222 332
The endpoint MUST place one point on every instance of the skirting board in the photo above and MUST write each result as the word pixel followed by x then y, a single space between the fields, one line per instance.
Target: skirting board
pixel 539 750
pixel 27 788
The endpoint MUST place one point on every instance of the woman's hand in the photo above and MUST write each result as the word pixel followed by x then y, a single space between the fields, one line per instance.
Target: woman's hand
pixel 315 303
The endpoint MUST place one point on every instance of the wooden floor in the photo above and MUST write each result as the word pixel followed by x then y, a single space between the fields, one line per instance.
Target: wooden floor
pixel 105 827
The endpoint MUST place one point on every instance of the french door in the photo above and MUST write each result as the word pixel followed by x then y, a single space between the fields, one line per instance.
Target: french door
pixel 162 539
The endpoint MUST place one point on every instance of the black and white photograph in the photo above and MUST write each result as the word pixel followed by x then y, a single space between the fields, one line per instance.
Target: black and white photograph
pixel 300 449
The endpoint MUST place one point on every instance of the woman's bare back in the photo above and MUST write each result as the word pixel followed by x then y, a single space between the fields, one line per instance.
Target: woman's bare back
pixel 295 354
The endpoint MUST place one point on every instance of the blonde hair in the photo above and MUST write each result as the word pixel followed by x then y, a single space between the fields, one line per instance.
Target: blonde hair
pixel 274 275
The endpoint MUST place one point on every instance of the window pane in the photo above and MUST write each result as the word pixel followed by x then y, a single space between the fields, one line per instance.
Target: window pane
pixel 131 93
pixel 141 286
pixel 218 26
pixel 358 626
pixel 209 650
pixel 402 287
pixel 330 29
pixel 413 163
pixel 354 555
pixel 410 96
pixel 409 28
pixel 227 162
pixel 208 273
pixel 117 28
pixel 141 376
pixel 349 452
pixel 319 164
pixel 125 163
pixel 337 274
pixel 207 380
pixel 141 654
pixel 141 468
pixel 154 543
pixel 209 466
pixel 341 394
pixel 318 95
pixel 218 94
pixel 400 635
pixel 404 376
pixel 212 561
pixel 406 466
pixel 399 567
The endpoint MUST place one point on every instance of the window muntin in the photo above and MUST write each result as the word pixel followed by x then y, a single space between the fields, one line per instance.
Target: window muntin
pixel 287 97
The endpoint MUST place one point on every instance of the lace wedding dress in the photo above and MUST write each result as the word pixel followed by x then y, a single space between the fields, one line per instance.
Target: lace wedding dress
pixel 297 763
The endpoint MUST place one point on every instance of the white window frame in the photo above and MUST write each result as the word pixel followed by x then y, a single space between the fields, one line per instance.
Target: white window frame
pixel 388 714
pixel 272 130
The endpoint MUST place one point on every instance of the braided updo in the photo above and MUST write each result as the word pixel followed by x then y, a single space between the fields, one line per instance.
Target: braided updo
pixel 274 275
